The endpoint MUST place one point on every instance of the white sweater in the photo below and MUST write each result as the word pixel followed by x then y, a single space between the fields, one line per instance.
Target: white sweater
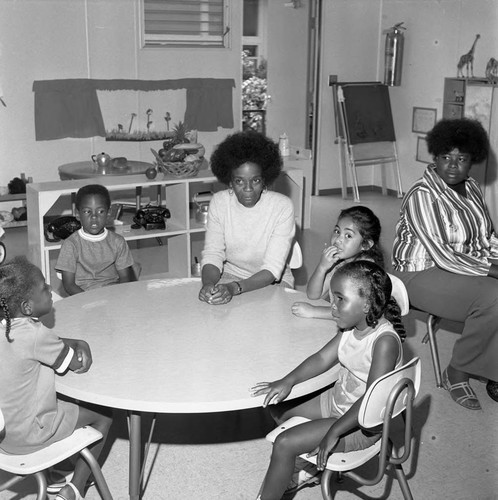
pixel 243 241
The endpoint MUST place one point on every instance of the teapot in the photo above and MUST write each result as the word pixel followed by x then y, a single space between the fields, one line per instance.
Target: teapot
pixel 202 201
pixel 102 161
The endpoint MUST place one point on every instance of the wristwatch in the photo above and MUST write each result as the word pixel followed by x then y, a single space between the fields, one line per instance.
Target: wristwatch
pixel 239 288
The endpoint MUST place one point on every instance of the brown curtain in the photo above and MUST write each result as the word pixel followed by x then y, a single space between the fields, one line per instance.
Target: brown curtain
pixel 70 108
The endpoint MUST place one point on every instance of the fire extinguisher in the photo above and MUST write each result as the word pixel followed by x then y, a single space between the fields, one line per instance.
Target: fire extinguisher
pixel 395 40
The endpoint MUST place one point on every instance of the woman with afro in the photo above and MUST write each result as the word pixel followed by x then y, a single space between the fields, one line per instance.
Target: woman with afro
pixel 250 228
pixel 446 253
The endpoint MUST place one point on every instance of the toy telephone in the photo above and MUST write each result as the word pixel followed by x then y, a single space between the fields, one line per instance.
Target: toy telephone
pixel 61 228
pixel 151 217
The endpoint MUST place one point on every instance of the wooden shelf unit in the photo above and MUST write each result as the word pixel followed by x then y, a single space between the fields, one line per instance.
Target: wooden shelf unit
pixel 177 194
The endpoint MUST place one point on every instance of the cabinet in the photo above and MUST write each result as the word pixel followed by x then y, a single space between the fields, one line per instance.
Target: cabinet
pixel 476 98
pixel 180 242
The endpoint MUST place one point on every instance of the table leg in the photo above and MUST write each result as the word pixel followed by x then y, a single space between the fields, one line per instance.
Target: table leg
pixel 135 455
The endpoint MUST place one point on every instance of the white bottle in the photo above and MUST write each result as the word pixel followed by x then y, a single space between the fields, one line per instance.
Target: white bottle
pixel 283 145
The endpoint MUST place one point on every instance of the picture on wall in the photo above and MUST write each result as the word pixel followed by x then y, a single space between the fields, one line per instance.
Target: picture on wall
pixel 423 119
pixel 423 155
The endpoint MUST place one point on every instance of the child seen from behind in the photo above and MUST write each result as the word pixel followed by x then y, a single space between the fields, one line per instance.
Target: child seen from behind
pixel 366 347
pixel 30 356
pixel 93 256
pixel 355 236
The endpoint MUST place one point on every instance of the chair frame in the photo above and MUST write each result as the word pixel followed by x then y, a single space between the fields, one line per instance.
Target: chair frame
pixel 36 463
pixel 432 323
pixel 399 401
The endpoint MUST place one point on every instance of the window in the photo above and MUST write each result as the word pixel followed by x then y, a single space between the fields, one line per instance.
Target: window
pixel 254 30
pixel 185 23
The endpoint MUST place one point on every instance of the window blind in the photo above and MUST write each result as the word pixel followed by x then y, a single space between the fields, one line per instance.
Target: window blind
pixel 185 22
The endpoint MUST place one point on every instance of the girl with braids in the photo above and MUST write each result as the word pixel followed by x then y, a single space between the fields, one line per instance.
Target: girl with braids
pixel 367 346
pixel 30 355
pixel 355 236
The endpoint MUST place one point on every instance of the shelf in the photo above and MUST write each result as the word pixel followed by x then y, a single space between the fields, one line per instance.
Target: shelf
pixel 16 223
pixel 13 197
pixel 174 242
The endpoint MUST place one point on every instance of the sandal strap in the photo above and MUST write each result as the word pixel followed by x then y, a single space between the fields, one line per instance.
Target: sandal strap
pixel 468 392
pixel 77 495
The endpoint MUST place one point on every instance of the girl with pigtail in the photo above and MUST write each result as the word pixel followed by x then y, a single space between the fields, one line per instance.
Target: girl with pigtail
pixel 366 347
pixel 30 356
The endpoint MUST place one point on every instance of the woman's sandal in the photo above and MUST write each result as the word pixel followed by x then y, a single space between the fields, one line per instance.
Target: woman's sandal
pixel 467 399
pixel 492 389
pixel 63 496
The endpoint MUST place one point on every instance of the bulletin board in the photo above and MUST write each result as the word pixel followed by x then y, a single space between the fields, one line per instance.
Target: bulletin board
pixel 367 114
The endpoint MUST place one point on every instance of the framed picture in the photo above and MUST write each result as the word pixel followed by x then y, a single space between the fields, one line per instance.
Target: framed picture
pixel 422 154
pixel 423 119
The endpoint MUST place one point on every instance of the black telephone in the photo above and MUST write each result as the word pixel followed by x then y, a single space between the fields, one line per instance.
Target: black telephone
pixel 61 228
pixel 151 217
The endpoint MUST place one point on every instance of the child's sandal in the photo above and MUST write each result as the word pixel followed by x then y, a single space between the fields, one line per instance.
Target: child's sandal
pixel 63 495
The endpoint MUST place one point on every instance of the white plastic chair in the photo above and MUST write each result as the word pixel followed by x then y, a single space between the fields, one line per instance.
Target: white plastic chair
pixel 23 466
pixel 386 398
pixel 296 258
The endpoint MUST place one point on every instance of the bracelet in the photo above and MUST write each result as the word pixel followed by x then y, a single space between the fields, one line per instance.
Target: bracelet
pixel 239 288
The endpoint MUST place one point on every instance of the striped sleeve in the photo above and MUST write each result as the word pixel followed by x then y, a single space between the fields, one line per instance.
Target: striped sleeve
pixel 51 350
pixel 429 223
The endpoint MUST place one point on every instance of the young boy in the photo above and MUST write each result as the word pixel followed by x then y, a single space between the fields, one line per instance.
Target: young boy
pixel 94 257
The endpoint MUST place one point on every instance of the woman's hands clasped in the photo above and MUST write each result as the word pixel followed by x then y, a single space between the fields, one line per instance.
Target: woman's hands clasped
pixel 216 294
pixel 275 392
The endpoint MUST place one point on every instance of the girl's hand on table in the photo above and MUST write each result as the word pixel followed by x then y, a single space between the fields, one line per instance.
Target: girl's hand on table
pixel 303 309
pixel 84 356
pixel 275 392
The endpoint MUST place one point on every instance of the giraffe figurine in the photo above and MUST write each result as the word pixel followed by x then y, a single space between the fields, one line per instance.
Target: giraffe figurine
pixel 467 60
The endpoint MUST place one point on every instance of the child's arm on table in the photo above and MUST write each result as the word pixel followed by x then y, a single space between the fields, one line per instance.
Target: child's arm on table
pixel 69 283
pixel 82 358
pixel 384 358
pixel 314 290
pixel 126 275
pixel 306 310
pixel 316 364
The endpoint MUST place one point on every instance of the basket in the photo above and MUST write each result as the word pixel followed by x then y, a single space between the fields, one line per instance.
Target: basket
pixel 180 168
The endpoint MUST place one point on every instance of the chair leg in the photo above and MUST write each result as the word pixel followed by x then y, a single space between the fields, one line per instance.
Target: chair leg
pixel 326 484
pixel 97 474
pixel 432 323
pixel 403 483
pixel 41 482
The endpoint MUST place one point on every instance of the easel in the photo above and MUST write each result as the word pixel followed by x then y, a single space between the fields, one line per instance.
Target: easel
pixel 365 132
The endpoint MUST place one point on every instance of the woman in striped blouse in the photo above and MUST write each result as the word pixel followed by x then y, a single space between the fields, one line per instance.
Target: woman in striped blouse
pixel 446 253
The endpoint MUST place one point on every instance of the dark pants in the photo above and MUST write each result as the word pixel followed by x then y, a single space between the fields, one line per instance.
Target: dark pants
pixel 472 300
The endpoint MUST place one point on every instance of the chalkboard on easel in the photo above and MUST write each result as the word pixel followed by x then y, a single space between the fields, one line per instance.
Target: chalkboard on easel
pixel 366 113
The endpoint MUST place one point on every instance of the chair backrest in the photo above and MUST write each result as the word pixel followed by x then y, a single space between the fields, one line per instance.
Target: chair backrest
pixel 296 258
pixel 381 393
pixel 400 294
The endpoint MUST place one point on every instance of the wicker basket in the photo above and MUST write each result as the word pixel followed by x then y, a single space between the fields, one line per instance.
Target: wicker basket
pixel 180 168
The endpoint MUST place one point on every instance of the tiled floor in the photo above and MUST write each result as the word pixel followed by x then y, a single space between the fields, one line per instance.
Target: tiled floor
pixel 224 456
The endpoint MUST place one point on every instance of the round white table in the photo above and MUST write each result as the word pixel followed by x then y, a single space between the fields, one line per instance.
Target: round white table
pixel 157 348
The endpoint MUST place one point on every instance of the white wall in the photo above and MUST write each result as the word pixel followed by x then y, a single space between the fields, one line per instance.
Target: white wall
pixel 58 39
pixel 438 33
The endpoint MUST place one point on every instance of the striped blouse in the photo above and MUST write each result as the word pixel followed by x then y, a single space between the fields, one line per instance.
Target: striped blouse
pixel 438 227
